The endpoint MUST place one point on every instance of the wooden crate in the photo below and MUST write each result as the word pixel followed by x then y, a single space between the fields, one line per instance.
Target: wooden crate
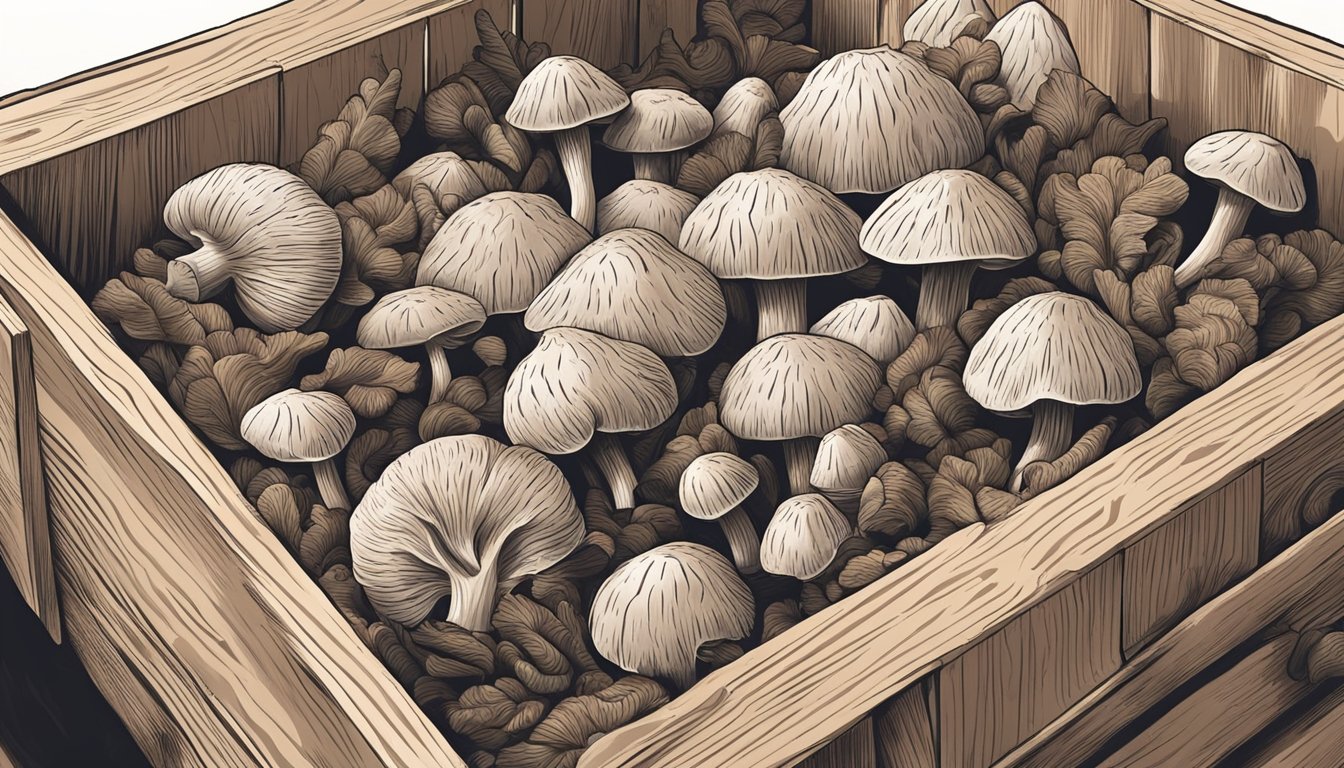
pixel 1178 558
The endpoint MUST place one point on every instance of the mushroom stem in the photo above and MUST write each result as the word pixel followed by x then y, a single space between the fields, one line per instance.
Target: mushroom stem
pixel 799 456
pixel 674 162
pixel 576 157
pixel 1228 222
pixel 1051 434
pixel 743 540
pixel 329 485
pixel 781 307
pixel 440 374
pixel 651 167
pixel 472 604
pixel 615 467
pixel 943 293
pixel 199 275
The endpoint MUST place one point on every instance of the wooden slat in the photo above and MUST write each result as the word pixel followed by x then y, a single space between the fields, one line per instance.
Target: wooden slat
pixel 855 748
pixel 840 25
pixel 452 35
pixel 905 729
pixel 1300 480
pixel 602 31
pixel 658 15
pixel 1316 738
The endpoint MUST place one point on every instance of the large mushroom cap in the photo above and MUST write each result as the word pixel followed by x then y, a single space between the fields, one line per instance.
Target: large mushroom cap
pixel 1052 346
pixel 938 22
pixel 421 315
pixel 644 204
pixel 796 385
pixel 633 285
pixel 771 225
pixel 441 172
pixel 564 92
pixel 715 484
pixel 744 105
pixel 1033 44
pixel 297 426
pixel 874 324
pixel 501 249
pixel 803 537
pixel 872 120
pixel 949 216
pixel 659 120
pixel 1258 166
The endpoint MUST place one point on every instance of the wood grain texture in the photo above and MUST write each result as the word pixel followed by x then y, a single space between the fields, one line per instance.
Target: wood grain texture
pixel 906 730
pixel 1300 480
pixel 602 31
pixel 214 622
pixel 1175 569
pixel 855 748
pixel 1316 738
pixel 25 542
pixel 680 16
pixel 452 35
pixel 841 25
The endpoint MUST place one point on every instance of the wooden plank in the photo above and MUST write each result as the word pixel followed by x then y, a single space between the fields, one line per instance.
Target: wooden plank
pixel 680 16
pixel 855 748
pixel 211 617
pixel 1009 685
pixel 25 543
pixel 452 35
pixel 1316 738
pixel 1300 480
pixel 602 31
pixel 1175 569
pixel 840 25
pixel 905 730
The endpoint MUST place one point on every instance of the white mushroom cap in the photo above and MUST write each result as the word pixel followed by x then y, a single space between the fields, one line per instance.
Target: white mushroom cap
pixel 769 225
pixel 796 385
pixel 501 249
pixel 715 484
pixel 847 458
pixel 874 324
pixel 577 382
pixel 644 204
pixel 655 611
pixel 744 105
pixel 659 120
pixel 939 22
pixel 1052 346
pixel 422 315
pixel 297 426
pixel 441 172
pixel 803 537
pixel 564 92
pixel 1258 166
pixel 1034 43
pixel 872 120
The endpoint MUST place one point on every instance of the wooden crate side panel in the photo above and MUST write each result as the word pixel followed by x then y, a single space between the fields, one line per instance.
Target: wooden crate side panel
pixel 680 16
pixel 1301 479
pixel 855 748
pixel 906 729
pixel 1315 738
pixel 452 36
pixel 602 31
pixel 840 25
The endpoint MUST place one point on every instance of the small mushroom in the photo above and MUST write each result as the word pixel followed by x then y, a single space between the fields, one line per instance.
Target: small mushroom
pixel 847 458
pixel 803 537
pixel 743 106
pixel 561 96
pixel 443 173
pixel 436 317
pixel 1034 43
pixel 949 223
pixel 649 205
pixel 297 426
pixel 1051 351
pixel 1248 168
pixel 938 22
pixel 655 611
pixel 713 487
pixel 266 230
pixel 657 128
pixel 875 324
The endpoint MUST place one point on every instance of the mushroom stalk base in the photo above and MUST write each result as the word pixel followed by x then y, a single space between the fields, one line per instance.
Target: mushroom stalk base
pixel 472 603
pixel 329 485
pixel 943 293
pixel 439 372
pixel 1229 221
pixel 650 167
pixel 1051 436
pixel 743 540
pixel 799 456
pixel 615 468
pixel 576 157
pixel 200 274
pixel 781 306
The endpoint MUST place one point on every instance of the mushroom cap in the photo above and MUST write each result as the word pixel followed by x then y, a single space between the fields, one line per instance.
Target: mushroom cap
pixel 441 172
pixel 795 385
pixel 874 324
pixel 744 105
pixel 659 120
pixel 1258 166
pixel 501 249
pixel 656 609
pixel 281 240
pixel 421 315
pixel 644 204
pixel 632 285
pixel 1033 44
pixel 772 225
pixel 577 382
pixel 447 509
pixel 715 484
pixel 871 120
pixel 1052 346
pixel 564 92
pixel 949 216
pixel 803 537
pixel 938 22
pixel 298 426
pixel 847 458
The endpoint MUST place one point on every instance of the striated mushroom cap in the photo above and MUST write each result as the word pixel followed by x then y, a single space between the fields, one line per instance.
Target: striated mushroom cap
pixel 643 204
pixel 715 484
pixel 297 426
pixel 659 120
pixel 655 611
pixel 872 120
pixel 1034 43
pixel 938 22
pixel 1258 166
pixel 501 249
pixel 634 286
pixel 265 229
pixel 442 172
pixel 874 324
pixel 847 458
pixel 421 315
pixel 564 92
pixel 743 106
pixel 1052 346
pixel 803 537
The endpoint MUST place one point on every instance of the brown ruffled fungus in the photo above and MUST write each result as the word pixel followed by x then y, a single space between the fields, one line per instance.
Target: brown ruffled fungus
pixel 561 96
pixel 713 487
pixel 657 128
pixel 297 426
pixel 847 458
pixel 649 205
pixel 1033 43
pixel 777 229
pixel 655 611
pixel 874 324
pixel 436 317
pixel 266 230
pixel 938 22
pixel 803 537
pixel 464 516
pixel 949 223
pixel 1051 351
pixel 744 106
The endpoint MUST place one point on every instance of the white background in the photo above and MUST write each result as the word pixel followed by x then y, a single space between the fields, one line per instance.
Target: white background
pixel 44 40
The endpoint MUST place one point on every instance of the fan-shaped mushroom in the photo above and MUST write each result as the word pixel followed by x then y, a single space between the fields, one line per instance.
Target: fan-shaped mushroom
pixel 1034 44
pixel 803 537
pixel 874 324
pixel 647 205
pixel 847 458
pixel 297 426
pixel 436 317
pixel 713 487
pixel 657 128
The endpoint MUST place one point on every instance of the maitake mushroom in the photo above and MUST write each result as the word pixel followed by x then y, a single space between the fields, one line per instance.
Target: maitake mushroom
pixel 297 426
pixel 1034 44
pixel 657 128
pixel 714 487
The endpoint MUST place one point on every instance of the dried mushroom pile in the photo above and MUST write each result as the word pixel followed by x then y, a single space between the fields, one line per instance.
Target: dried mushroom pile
pixel 581 384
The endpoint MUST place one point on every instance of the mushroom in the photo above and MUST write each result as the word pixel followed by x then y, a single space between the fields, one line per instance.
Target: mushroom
pixel 436 317
pixel 1033 43
pixel 847 458
pixel 796 388
pixel 465 516
pixel 743 107
pixel 632 285
pixel 1248 168
pixel 713 487
pixel 577 383
pixel 441 172
pixel 264 229
pixel 803 537
pixel 649 205
pixel 657 128
pixel 874 324
pixel 561 96
pixel 949 223
pixel 871 120
pixel 654 612
pixel 1051 351
pixel 938 22
pixel 298 426
pixel 777 229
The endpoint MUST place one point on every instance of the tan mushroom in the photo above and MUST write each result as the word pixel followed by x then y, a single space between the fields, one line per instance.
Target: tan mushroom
pixel 308 427
pixel 436 317
pixel 1034 43
pixel 713 487
pixel 647 205
pixel 847 458
pixel 743 106
pixel 443 173
pixel 874 324
pixel 938 22
pixel 657 128
pixel 803 537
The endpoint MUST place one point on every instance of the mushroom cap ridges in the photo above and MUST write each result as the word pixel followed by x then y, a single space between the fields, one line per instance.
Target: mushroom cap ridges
pixel 645 204
pixel 1052 346
pixel 659 120
pixel 938 22
pixel 715 484
pixel 1033 44
pixel 871 120
pixel 744 105
pixel 441 172
pixel 297 426
pixel 875 324
pixel 803 536
pixel 1258 166
pixel 847 457
pixel 420 315
pixel 564 92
